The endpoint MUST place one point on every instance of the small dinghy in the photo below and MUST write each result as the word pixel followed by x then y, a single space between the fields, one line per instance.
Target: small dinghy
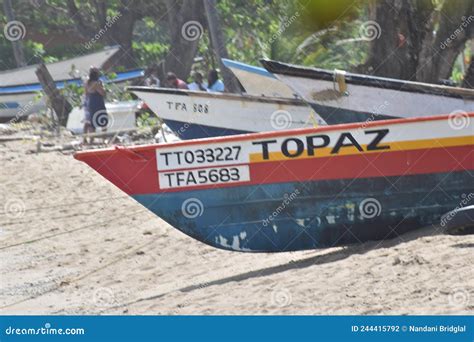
pixel 301 189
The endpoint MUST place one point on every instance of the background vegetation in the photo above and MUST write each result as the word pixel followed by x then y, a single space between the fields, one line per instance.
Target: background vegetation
pixel 323 33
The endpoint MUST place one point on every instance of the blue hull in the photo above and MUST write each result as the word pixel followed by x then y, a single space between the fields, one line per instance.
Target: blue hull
pixel 331 115
pixel 187 131
pixel 336 115
pixel 35 87
pixel 307 215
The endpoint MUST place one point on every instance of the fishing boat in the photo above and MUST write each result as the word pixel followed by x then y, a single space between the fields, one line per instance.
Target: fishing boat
pixel 19 87
pixel 197 114
pixel 342 97
pixel 258 81
pixel 301 189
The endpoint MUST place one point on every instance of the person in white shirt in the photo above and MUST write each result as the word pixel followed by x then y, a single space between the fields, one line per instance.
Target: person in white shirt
pixel 198 83
pixel 151 76
pixel 214 84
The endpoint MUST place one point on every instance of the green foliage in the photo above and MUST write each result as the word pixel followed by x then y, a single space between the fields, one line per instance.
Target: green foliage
pixel 149 53
pixel 150 41
pixel 74 93
pixel 314 33
pixel 460 64
pixel 33 52
pixel 321 14
pixel 147 119
pixel 321 33
pixel 250 25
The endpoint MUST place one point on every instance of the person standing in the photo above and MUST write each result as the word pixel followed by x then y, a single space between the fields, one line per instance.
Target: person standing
pixel 151 76
pixel 95 112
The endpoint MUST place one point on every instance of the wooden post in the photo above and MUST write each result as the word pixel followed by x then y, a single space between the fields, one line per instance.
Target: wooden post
pixel 218 43
pixel 60 104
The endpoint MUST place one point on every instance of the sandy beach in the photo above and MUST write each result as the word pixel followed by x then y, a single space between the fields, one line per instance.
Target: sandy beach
pixel 71 243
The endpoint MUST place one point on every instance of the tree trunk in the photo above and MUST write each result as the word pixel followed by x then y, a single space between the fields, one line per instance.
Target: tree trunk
pixel 185 29
pixel 17 44
pixel 122 34
pixel 118 30
pixel 437 59
pixel 61 106
pixel 408 46
pixel 218 44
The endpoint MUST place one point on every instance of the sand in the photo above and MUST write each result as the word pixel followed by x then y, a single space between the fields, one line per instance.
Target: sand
pixel 71 243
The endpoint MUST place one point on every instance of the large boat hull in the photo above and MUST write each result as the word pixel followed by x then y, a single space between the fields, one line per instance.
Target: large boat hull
pixel 239 218
pixel 340 97
pixel 195 115
pixel 301 189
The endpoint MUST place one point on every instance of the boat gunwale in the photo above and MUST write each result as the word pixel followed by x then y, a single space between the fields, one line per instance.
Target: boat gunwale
pixel 68 80
pixel 230 63
pixel 270 134
pixel 276 68
pixel 218 95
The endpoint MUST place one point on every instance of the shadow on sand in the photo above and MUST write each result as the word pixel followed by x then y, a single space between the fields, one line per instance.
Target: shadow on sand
pixel 332 256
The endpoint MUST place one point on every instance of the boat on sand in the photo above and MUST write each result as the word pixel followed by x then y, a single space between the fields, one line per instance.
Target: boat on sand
pixel 301 189
pixel 342 97
pixel 197 114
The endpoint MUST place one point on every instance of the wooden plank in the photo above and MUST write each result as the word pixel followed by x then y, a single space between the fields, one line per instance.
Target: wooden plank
pixel 60 104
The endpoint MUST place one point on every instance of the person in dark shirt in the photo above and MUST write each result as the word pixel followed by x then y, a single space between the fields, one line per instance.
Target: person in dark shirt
pixel 95 112
pixel 214 84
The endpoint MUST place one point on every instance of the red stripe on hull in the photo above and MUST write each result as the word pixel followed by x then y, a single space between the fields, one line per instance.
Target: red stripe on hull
pixel 386 164
pixel 137 173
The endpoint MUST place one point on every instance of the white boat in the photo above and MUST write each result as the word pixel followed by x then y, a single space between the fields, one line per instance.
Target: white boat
pixel 195 114
pixel 19 88
pixel 121 117
pixel 60 71
pixel 258 81
pixel 341 97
